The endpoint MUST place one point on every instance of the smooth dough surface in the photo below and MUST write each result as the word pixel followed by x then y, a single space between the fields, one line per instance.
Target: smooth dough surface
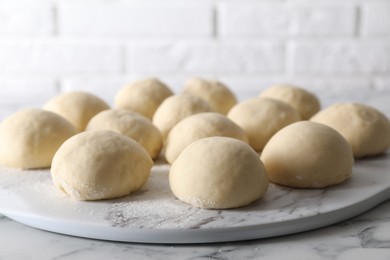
pixel 176 108
pixel 132 125
pixel 200 126
pixel 261 118
pixel 77 107
pixel 218 173
pixel 30 137
pixel 218 95
pixel 366 129
pixel 307 155
pixel 142 96
pixel 102 164
pixel 304 102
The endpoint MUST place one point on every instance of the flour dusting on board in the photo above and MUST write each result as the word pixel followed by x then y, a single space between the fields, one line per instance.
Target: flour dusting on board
pixel 155 206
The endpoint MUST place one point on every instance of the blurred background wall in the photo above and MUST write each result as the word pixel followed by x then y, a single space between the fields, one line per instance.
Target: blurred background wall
pixel 339 50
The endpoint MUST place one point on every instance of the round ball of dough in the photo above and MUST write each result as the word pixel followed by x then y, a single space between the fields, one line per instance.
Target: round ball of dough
pixel 132 125
pixel 219 96
pixel 176 108
pixel 218 173
pixel 366 129
pixel 261 118
pixel 102 164
pixel 30 137
pixel 77 107
pixel 200 126
pixel 304 102
pixel 307 155
pixel 142 96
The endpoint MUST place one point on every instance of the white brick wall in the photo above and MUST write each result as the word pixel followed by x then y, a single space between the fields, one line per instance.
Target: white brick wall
pixel 26 19
pixel 114 19
pixel 171 57
pixel 211 57
pixel 59 56
pixel 333 48
pixel 256 19
pixel 253 19
pixel 340 57
pixel 24 92
pixel 376 19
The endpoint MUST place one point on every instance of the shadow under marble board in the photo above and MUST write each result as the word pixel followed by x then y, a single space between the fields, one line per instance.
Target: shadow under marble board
pixel 154 215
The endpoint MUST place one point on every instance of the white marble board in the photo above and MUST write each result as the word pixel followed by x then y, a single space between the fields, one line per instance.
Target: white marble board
pixel 154 215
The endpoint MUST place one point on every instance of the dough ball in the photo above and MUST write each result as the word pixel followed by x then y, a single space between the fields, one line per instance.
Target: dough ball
pixel 219 96
pixel 218 173
pixel 132 125
pixel 366 129
pixel 307 155
pixel 30 137
pixel 142 96
pixel 200 126
pixel 77 107
pixel 176 108
pixel 261 118
pixel 304 102
pixel 102 164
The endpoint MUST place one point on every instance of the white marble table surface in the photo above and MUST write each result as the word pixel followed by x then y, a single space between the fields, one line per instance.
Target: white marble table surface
pixel 364 237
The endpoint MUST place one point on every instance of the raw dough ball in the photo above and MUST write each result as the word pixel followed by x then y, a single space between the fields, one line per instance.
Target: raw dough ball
pixel 304 102
pixel 77 107
pixel 261 118
pixel 366 129
pixel 218 173
pixel 200 126
pixel 176 108
pixel 132 125
pixel 30 137
pixel 143 96
pixel 96 165
pixel 219 96
pixel 307 155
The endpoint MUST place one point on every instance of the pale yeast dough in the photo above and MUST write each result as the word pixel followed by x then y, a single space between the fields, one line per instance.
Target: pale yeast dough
pixel 130 124
pixel 261 118
pixel 102 164
pixel 218 173
pixel 77 107
pixel 142 96
pixel 366 129
pixel 219 96
pixel 307 155
pixel 200 126
pixel 176 108
pixel 30 137
pixel 304 102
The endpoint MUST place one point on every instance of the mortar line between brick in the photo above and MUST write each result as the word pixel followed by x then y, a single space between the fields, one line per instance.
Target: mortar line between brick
pixel 358 21
pixel 54 8
pixel 214 21
pixel 288 58
pixel 57 85
pixel 123 59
